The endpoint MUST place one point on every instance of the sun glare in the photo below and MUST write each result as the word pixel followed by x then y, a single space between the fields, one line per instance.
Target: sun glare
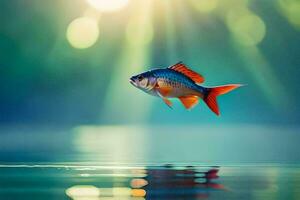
pixel 83 32
pixel 108 5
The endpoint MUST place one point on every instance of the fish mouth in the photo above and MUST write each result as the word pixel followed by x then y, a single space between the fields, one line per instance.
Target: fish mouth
pixel 131 80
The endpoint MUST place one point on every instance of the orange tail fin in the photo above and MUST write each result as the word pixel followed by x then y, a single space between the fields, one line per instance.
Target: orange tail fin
pixel 211 98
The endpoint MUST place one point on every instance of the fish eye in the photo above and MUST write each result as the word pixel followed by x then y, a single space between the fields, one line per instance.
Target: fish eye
pixel 140 78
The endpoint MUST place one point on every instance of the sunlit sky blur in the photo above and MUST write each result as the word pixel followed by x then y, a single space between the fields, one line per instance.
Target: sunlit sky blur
pixel 68 62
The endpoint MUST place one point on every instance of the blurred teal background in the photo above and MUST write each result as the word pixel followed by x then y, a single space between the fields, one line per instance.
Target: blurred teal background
pixel 72 126
pixel 65 65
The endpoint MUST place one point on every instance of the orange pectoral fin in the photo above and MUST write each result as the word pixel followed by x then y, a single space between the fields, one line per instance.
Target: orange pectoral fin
pixel 168 102
pixel 189 101
pixel 180 67
pixel 164 91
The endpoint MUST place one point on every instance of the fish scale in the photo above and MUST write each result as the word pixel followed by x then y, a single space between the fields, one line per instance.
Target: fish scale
pixel 175 79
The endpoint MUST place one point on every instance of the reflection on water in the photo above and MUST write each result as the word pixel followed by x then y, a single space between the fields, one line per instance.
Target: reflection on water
pixel 108 182
pixel 160 183
pixel 188 182
pixel 100 182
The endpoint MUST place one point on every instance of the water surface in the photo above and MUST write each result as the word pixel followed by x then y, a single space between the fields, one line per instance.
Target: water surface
pixel 138 162
pixel 80 181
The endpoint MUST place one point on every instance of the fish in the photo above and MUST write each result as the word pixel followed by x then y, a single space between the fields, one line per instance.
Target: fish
pixel 179 81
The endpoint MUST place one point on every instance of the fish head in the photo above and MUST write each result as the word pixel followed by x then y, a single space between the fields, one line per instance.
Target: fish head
pixel 144 81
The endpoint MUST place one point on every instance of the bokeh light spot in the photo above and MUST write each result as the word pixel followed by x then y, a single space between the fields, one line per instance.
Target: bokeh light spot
pixel 204 6
pixel 291 10
pixel 247 29
pixel 138 192
pixel 83 191
pixel 294 14
pixel 138 183
pixel 83 32
pixel 108 5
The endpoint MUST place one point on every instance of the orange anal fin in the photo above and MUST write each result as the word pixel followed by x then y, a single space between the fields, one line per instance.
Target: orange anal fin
pixel 182 68
pixel 189 101
pixel 168 102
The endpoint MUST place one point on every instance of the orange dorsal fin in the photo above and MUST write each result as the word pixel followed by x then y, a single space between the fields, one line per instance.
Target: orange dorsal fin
pixel 180 67
pixel 189 101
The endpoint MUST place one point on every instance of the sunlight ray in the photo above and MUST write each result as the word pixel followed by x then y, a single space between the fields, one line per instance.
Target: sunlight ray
pixel 246 35
pixel 170 31
pixel 262 72
pixel 134 59
pixel 247 31
pixel 190 32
